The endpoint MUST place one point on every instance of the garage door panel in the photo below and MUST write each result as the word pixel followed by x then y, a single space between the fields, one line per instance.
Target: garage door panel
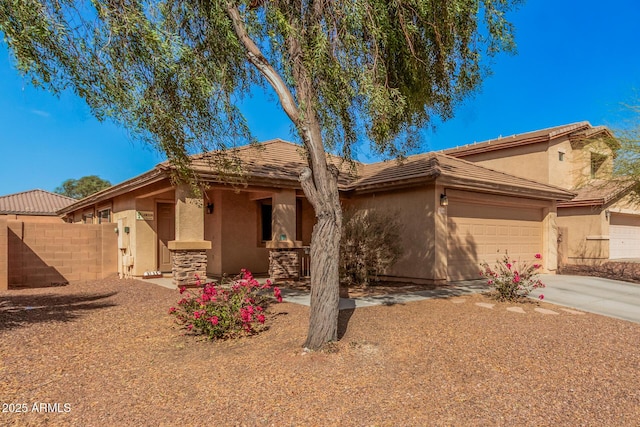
pixel 624 236
pixel 474 238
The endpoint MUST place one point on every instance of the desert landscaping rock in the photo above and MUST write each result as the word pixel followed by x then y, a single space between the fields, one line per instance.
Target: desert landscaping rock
pixel 545 311
pixel 458 300
pixel 516 310
pixel 568 310
pixel 109 349
pixel 485 305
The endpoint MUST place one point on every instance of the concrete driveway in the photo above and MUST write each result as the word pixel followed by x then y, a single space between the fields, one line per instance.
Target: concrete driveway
pixel 593 294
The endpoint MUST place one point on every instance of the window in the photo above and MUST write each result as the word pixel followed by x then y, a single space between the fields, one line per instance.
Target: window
pixel 561 156
pixel 299 219
pixel 104 216
pixel 87 218
pixel 597 160
pixel 266 216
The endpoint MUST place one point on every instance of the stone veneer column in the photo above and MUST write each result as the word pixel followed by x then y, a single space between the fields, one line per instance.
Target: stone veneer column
pixel 189 249
pixel 284 265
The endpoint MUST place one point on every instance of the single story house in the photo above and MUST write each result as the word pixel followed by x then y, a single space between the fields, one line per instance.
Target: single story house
pixel 34 206
pixel 455 213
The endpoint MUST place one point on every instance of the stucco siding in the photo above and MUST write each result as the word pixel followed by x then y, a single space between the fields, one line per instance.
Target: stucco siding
pixel 527 161
pixel 414 210
pixel 584 235
pixel 239 235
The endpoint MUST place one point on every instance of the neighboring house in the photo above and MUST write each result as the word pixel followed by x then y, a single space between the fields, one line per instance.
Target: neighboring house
pixel 34 206
pixel 454 214
pixel 601 222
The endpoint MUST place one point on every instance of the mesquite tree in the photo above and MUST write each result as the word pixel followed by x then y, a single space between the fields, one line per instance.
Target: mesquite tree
pixel 343 71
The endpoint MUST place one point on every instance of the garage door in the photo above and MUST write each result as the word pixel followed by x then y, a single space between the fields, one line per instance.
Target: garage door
pixel 624 236
pixel 483 233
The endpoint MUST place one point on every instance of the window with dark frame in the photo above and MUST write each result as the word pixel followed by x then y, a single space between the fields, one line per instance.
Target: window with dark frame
pixel 104 216
pixel 266 218
pixel 597 160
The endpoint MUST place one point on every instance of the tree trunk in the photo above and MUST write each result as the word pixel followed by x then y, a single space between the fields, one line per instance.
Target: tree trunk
pixel 319 182
pixel 325 284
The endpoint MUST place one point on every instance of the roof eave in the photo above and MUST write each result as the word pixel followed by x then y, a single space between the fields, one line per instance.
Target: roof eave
pixel 154 175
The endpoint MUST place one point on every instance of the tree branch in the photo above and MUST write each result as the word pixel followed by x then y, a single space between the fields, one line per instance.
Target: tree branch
pixel 255 56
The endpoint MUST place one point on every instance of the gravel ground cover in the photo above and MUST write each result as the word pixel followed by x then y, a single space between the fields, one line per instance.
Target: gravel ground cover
pixel 106 353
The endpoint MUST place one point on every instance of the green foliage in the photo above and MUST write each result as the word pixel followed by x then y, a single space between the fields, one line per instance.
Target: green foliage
pixel 228 310
pixel 512 279
pixel 369 245
pixel 173 72
pixel 83 187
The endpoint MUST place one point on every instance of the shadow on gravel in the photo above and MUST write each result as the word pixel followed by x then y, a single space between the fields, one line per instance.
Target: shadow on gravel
pixel 22 310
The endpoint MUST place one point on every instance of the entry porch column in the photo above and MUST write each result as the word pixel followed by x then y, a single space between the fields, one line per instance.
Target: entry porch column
pixel 189 249
pixel 284 259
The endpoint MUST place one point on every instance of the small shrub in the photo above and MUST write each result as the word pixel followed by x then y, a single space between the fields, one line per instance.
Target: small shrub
pixel 369 245
pixel 512 279
pixel 229 310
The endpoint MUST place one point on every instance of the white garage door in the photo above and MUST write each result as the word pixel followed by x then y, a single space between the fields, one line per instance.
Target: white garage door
pixel 624 236
pixel 480 233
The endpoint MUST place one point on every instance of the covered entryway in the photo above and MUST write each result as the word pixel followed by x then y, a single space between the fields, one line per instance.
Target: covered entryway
pixel 478 232
pixel 624 236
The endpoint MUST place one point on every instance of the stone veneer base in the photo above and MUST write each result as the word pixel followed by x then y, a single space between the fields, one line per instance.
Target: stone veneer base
pixel 189 266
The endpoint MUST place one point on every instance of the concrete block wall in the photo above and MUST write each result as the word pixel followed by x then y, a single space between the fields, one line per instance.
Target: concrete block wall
pixel 41 254
pixel 4 265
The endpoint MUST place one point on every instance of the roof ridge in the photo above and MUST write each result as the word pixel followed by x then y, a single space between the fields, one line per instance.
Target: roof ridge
pixel 53 193
pixel 523 135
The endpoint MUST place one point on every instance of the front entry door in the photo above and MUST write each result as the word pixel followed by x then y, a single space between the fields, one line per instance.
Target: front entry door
pixel 166 233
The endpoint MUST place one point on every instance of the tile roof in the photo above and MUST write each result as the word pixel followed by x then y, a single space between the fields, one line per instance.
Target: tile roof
pixel 34 202
pixel 579 129
pixel 278 160
pixel 599 192
pixel 273 160
pixel 279 163
pixel 452 171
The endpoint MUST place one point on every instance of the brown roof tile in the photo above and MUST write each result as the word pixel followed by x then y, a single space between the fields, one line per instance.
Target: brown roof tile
pixel 582 129
pixel 599 192
pixel 34 202
pixel 453 171
pixel 273 160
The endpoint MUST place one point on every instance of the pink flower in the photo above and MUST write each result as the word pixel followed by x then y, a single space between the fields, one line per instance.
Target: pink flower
pixel 261 318
pixel 214 320
pixel 197 314
pixel 182 289
pixel 277 293
pixel 516 278
pixel 538 256
pixel 509 266
pixel 172 310
pixel 189 327
pixel 536 266
pixel 541 297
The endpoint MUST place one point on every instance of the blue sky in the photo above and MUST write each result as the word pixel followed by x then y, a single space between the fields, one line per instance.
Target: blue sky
pixel 576 61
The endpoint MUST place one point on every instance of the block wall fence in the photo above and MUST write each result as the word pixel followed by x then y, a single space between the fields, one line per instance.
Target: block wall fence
pixel 50 254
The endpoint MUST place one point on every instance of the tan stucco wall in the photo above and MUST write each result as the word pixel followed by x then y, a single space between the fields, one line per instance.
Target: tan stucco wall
pixel 582 161
pixel 239 235
pixel 528 161
pixel 584 235
pixel 414 209
pixel 562 173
